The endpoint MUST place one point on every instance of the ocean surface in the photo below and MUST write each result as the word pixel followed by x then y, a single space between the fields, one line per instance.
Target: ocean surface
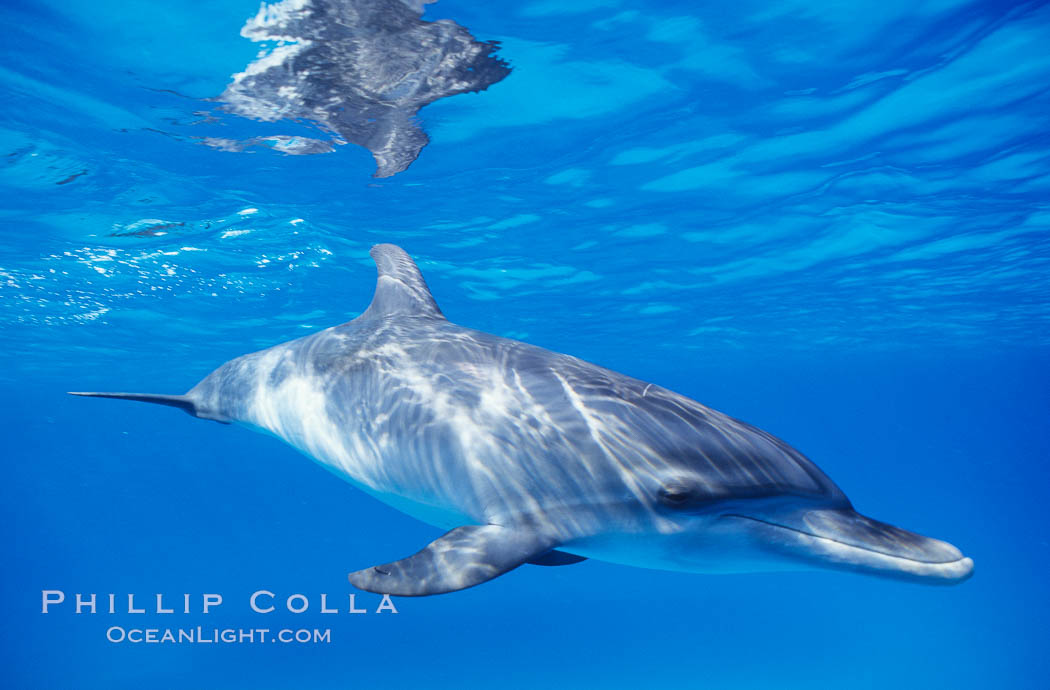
pixel 829 219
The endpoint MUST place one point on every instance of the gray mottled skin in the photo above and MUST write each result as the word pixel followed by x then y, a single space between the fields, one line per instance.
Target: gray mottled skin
pixel 360 69
pixel 527 455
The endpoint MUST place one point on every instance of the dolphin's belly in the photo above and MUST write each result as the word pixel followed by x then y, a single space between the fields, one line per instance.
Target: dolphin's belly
pixel 364 471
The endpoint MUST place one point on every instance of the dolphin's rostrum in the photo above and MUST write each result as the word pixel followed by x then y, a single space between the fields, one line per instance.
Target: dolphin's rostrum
pixel 529 456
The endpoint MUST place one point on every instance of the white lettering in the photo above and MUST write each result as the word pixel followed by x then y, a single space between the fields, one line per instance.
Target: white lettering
pixel 48 600
pixel 306 603
pixel 353 607
pixel 386 605
pixel 211 600
pixel 132 609
pixel 254 600
pixel 81 603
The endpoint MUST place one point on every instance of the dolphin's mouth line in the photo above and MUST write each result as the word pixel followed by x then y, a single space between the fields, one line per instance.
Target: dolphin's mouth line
pixel 842 543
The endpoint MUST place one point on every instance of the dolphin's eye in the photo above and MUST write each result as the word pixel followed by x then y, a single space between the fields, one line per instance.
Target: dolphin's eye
pixel 675 495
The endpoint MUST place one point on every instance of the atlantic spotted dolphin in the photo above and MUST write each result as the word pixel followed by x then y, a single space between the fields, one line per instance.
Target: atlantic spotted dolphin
pixel 530 456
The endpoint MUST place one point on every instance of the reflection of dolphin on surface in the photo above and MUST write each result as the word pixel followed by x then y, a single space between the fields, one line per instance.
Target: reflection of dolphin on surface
pixel 529 456
pixel 360 70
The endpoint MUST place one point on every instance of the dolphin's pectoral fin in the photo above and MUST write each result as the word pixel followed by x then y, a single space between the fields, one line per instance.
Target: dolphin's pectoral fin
pixel 461 558
pixel 556 558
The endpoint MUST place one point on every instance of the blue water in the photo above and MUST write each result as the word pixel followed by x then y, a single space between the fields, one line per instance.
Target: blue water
pixel 829 219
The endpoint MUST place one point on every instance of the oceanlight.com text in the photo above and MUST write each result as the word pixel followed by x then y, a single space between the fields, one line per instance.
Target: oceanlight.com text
pixel 202 635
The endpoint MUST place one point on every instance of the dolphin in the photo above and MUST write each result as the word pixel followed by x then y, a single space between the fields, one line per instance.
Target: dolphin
pixel 529 456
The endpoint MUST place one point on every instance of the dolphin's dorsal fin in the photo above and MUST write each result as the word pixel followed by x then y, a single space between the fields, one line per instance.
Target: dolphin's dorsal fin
pixel 400 288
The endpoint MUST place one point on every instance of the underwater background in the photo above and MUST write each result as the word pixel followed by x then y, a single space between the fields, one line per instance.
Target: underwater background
pixel 831 220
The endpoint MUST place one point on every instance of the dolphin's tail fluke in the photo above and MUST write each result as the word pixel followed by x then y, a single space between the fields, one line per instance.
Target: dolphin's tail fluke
pixel 183 402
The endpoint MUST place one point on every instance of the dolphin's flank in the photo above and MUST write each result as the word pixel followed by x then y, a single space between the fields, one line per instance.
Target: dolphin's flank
pixel 530 456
